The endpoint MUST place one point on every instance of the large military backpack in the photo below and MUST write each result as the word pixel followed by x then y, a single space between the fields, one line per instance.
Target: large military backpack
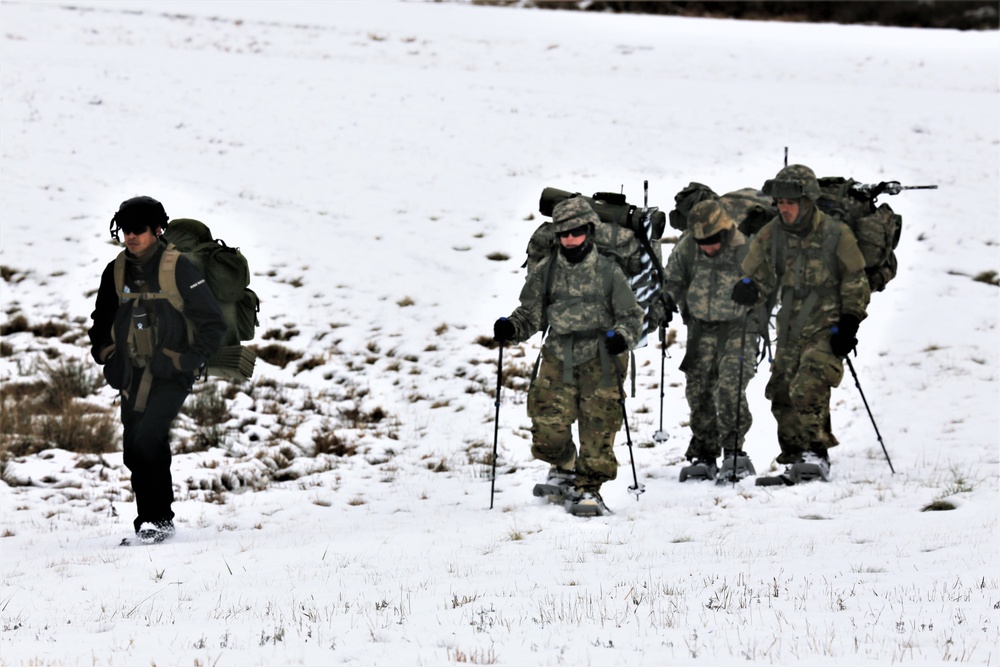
pixel 228 276
pixel 877 228
pixel 625 237
pixel 749 208
pixel 630 235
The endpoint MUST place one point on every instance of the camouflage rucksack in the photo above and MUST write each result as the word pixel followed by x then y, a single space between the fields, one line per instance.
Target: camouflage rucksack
pixel 876 228
pixel 749 208
pixel 629 234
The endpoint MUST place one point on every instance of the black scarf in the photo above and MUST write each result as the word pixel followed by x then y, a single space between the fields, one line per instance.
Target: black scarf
pixel 577 254
pixel 136 264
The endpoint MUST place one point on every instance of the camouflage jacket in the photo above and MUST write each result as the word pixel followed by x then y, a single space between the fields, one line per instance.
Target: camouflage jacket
pixel 821 275
pixel 578 303
pixel 702 286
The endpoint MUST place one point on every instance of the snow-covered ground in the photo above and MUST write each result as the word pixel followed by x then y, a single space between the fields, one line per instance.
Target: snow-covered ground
pixel 380 166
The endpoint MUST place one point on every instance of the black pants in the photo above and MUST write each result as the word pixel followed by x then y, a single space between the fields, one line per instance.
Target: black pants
pixel 146 448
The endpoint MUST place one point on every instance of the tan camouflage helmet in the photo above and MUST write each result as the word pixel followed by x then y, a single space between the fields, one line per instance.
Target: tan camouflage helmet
pixel 708 218
pixel 793 182
pixel 572 213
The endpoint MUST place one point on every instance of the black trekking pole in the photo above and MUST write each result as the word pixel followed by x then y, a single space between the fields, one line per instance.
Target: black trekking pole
pixel 496 422
pixel 877 434
pixel 637 488
pixel 739 397
pixel 661 435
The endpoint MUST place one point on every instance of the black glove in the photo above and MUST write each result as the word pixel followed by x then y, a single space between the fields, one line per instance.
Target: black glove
pixel 844 336
pixel 503 329
pixel 615 342
pixel 669 309
pixel 746 293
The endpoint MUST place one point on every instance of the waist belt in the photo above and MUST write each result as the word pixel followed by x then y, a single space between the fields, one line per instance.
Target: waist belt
pixel 567 353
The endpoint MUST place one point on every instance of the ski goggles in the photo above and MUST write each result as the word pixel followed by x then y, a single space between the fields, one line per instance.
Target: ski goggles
pixel 576 231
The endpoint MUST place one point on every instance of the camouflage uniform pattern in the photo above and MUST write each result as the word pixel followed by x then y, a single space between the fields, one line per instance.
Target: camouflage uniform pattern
pixel 821 277
pixel 701 286
pixel 584 302
pixel 612 240
pixel 553 406
pixel 578 381
pixel 713 389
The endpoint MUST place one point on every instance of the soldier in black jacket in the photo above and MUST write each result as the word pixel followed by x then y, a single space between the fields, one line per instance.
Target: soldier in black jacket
pixel 148 353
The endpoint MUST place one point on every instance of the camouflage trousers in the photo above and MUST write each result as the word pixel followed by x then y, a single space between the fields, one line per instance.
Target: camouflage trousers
pixel 714 393
pixel 799 390
pixel 588 400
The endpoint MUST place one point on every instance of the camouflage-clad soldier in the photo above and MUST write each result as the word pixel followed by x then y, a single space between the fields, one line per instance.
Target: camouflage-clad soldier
pixel 700 273
pixel 823 294
pixel 593 320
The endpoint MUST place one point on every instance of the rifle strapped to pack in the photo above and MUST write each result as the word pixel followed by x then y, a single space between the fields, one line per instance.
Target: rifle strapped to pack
pixel 877 229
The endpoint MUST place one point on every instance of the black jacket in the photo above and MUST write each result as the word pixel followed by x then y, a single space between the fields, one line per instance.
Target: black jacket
pixel 200 307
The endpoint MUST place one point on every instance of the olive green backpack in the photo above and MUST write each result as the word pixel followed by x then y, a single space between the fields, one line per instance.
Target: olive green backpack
pixel 228 276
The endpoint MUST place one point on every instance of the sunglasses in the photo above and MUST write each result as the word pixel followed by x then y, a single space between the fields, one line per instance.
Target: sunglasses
pixel 576 231
pixel 134 228
pixel 710 240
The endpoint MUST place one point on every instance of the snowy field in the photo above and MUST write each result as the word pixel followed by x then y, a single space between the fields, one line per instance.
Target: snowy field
pixel 380 165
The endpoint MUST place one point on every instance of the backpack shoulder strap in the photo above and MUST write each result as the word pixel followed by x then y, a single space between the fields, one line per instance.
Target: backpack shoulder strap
pixel 168 278
pixel 830 243
pixel 550 272
pixel 168 285
pixel 119 273
pixel 691 251
pixel 778 244
pixel 609 278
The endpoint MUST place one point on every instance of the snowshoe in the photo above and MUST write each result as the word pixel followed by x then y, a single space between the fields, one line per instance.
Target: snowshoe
pixel 730 473
pixel 775 480
pixel 701 469
pixel 587 503
pixel 557 487
pixel 151 533
pixel 810 467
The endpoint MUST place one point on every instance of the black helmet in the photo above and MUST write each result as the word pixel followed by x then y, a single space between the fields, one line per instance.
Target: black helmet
pixel 138 213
